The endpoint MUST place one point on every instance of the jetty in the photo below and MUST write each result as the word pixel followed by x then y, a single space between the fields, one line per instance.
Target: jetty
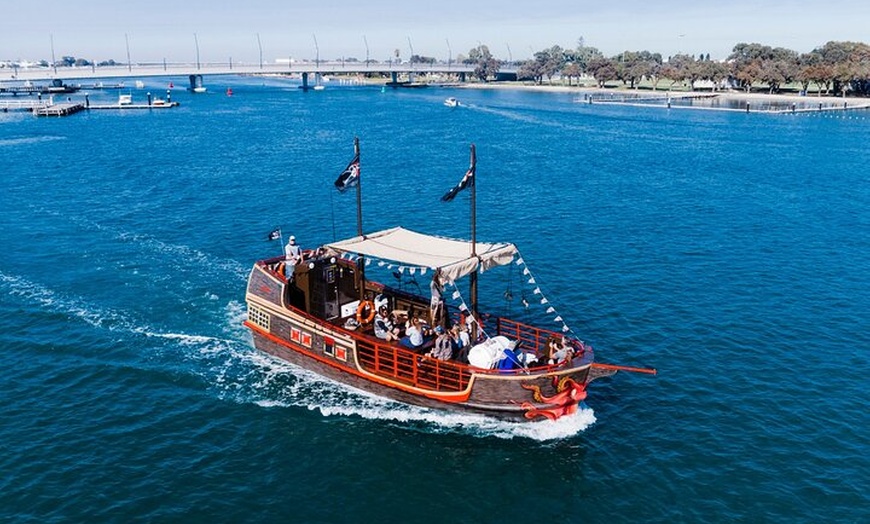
pixel 63 109
pixel 161 105
pixel 22 105
pixel 723 102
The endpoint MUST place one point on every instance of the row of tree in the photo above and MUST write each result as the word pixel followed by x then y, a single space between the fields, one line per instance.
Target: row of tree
pixel 835 67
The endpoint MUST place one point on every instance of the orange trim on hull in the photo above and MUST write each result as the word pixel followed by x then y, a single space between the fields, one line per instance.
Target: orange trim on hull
pixel 452 398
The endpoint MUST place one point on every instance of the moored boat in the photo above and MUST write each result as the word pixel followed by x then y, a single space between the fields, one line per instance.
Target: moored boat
pixel 451 102
pixel 318 314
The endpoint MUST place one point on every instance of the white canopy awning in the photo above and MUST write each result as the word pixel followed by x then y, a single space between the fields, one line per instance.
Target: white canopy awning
pixel 410 248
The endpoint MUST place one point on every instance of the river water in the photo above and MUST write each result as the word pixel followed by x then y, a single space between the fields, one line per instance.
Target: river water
pixel 730 251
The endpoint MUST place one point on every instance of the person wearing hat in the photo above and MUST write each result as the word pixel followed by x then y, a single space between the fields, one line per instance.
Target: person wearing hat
pixel 292 256
pixel 383 326
pixel 443 348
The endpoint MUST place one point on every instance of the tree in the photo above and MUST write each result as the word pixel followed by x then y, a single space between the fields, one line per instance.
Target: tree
pixel 486 65
pixel 604 70
pixel 584 54
pixel 572 70
pixel 716 72
pixel 633 66
pixel 417 59
pixel 682 68
pixel 773 66
pixel 530 70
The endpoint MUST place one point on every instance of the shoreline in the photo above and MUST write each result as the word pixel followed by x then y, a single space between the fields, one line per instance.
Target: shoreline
pixel 730 94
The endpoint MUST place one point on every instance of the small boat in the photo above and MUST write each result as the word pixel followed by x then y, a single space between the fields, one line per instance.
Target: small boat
pixel 125 99
pixel 140 84
pixel 320 315
pixel 319 87
pixel 159 102
pixel 451 102
pixel 199 89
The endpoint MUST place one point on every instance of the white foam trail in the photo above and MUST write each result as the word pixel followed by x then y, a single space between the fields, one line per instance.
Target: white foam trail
pixel 269 382
pixel 529 119
pixel 53 301
pixel 29 140
pixel 192 257
pixel 100 317
pixel 274 383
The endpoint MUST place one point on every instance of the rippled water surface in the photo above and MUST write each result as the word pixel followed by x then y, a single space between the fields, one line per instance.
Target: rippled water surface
pixel 730 251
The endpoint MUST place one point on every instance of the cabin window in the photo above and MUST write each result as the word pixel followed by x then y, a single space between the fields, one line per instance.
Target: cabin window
pixel 259 317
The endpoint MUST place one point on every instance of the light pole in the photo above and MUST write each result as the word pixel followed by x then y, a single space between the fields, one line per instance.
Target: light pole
pixel 127 43
pixel 510 55
pixel 260 47
pixel 411 59
pixel 367 50
pixel 53 61
pixel 449 53
pixel 316 51
pixel 196 42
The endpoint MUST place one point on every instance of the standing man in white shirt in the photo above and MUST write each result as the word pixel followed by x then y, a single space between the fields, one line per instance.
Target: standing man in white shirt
pixel 292 256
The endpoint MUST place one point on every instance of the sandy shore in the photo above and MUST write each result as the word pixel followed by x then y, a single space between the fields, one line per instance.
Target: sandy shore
pixel 735 95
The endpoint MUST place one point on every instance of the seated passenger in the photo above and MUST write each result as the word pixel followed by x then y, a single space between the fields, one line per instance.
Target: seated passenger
pixel 413 338
pixel 558 351
pixel 443 348
pixel 460 341
pixel 383 326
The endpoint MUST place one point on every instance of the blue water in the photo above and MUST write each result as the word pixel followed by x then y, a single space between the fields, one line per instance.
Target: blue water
pixel 729 251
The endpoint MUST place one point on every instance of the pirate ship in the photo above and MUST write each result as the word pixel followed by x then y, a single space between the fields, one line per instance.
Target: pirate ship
pixel 319 316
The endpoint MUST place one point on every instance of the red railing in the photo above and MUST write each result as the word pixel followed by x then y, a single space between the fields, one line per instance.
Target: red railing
pixel 411 368
pixel 531 338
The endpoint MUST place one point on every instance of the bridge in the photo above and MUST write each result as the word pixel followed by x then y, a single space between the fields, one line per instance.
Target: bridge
pixel 195 71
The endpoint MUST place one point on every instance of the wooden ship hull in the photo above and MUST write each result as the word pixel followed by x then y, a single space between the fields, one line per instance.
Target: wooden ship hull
pixel 286 321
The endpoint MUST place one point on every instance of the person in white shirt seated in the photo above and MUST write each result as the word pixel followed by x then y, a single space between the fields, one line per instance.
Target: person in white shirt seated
pixel 414 338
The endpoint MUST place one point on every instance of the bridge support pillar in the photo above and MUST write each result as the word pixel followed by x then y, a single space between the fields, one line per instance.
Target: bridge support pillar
pixel 305 86
pixel 462 76
pixel 196 83
pixel 394 78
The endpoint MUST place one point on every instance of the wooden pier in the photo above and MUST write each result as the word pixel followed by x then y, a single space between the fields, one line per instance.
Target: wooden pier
pixel 64 109
pixel 163 105
pixel 22 105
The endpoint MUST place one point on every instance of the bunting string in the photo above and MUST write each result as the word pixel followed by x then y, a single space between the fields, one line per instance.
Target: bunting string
pixel 456 295
pixel 544 301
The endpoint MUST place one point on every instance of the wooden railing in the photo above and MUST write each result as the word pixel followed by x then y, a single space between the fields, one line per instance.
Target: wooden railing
pixel 530 338
pixel 411 368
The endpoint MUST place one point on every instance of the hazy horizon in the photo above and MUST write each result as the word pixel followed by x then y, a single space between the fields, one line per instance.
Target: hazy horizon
pixel 160 30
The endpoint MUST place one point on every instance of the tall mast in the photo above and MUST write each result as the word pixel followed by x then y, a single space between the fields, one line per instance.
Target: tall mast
pixel 473 279
pixel 359 230
pixel 360 264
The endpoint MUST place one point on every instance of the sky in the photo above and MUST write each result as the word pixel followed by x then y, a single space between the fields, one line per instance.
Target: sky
pixel 156 30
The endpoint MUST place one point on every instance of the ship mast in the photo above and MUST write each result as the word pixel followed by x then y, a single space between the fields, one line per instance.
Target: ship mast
pixel 360 264
pixel 473 276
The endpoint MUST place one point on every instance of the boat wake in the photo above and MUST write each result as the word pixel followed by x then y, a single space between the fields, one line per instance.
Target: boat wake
pixel 29 140
pixel 527 118
pixel 250 376
pixel 241 373
pixel 110 319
